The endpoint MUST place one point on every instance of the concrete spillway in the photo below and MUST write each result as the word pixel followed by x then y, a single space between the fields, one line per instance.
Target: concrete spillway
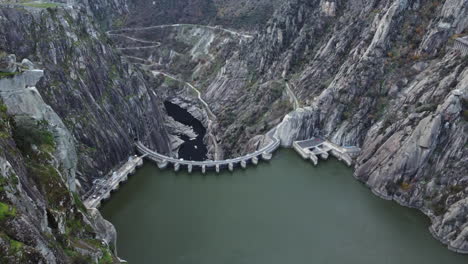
pixel 316 147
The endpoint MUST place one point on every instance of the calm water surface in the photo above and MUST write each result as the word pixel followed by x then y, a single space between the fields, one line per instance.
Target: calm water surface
pixel 282 212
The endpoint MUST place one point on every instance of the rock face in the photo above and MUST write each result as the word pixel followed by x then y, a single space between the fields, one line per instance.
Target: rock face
pixel 242 13
pixel 45 222
pixel 23 100
pixel 89 88
pixel 377 74
pixel 68 114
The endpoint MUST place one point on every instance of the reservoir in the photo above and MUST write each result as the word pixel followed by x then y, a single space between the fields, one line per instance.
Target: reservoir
pixel 284 211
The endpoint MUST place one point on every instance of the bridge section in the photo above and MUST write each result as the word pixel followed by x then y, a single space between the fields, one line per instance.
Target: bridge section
pixel 163 161
pixel 317 147
pixel 102 188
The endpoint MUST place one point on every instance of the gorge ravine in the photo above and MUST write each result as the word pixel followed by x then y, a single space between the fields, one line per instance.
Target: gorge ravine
pixel 379 74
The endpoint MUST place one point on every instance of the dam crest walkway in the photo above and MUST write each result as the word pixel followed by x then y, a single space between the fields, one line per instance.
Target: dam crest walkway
pixel 163 161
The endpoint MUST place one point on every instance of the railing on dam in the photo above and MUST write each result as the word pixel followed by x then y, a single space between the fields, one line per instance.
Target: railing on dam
pixel 163 160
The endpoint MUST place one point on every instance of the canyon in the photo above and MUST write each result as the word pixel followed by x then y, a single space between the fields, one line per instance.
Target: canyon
pixel 80 81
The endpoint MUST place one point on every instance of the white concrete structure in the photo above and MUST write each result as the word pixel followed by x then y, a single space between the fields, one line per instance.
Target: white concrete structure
pixel 102 190
pixel 316 147
pixel 163 161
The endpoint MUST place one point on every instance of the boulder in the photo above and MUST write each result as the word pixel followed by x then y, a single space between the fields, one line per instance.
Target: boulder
pixel 27 64
pixel 8 63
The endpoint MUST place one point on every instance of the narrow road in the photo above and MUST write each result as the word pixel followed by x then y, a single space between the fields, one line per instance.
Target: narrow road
pixel 137 48
pixel 136 39
pixel 293 96
pixel 147 63
pixel 232 32
pixel 207 108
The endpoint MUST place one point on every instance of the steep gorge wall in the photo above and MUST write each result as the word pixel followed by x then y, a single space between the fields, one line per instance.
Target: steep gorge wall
pixel 245 14
pixel 105 103
pixel 61 131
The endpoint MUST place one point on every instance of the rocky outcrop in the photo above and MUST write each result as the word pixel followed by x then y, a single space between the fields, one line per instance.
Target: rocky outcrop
pixel 24 103
pixel 7 63
pixel 41 221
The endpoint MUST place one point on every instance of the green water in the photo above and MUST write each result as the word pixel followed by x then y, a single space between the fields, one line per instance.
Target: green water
pixel 283 212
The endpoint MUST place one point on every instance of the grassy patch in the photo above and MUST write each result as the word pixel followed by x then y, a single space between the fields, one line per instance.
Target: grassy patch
pixel 171 82
pixel 6 211
pixel 426 107
pixel 106 258
pixel 40 5
pixel 15 247
pixel 3 183
pixel 7 74
pixel 4 122
pixel 3 108
pixel 79 203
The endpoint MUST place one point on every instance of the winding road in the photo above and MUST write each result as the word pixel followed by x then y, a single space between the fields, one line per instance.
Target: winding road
pixel 135 39
pixel 293 96
pixel 232 32
pixel 138 48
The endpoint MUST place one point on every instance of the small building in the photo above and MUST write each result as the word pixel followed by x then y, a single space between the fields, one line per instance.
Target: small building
pixel 461 44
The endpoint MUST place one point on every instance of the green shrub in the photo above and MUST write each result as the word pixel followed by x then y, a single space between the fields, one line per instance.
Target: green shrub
pixel 4 121
pixel 79 203
pixel 106 258
pixel 27 134
pixel 6 211
pixel 426 107
pixel 465 115
pixel 3 108
pixel 7 74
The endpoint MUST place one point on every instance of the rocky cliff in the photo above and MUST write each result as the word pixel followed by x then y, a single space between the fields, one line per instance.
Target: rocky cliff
pixel 238 14
pixel 71 110
pixel 379 74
